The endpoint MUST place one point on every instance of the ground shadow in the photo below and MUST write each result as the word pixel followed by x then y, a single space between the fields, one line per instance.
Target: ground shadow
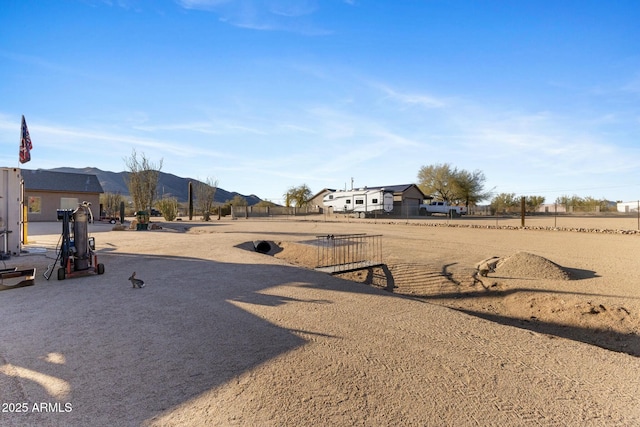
pixel 187 332
pixel 186 226
pixel 501 293
pixel 580 274
pixel 280 234
pixel 385 277
pixel 274 248
pixel 610 340
pixel 382 277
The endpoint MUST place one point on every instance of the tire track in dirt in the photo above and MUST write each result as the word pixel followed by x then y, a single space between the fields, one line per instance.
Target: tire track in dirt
pixel 551 378
pixel 450 365
pixel 248 340
pixel 547 381
pixel 421 279
pixel 471 342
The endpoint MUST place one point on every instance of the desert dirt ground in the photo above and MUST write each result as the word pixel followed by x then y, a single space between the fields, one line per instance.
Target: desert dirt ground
pixel 223 335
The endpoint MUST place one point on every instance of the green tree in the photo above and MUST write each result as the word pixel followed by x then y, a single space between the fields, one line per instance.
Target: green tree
pixel 469 187
pixel 505 202
pixel 297 196
pixel 438 181
pixel 533 202
pixel 591 204
pixel 583 204
pixel 142 180
pixel 568 202
pixel 447 183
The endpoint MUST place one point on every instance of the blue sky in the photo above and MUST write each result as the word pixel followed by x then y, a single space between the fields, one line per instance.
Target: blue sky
pixel 542 96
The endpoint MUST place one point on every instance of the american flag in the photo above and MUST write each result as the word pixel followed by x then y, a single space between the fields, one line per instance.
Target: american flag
pixel 25 143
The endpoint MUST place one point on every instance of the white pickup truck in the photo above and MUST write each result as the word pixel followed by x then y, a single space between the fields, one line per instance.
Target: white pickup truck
pixel 441 208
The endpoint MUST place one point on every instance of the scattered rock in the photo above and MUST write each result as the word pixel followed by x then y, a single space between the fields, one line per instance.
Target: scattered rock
pixel 535 228
pixel 487 266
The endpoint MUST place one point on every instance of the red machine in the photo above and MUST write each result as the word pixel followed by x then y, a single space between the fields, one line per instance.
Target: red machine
pixel 76 252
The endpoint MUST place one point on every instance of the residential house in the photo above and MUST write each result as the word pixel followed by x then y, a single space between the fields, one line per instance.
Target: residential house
pixel 46 191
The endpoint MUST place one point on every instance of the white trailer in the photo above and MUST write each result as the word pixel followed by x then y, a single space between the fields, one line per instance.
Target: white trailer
pixel 11 195
pixel 360 202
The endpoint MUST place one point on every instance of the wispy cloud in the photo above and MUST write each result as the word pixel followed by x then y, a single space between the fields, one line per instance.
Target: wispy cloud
pixel 54 136
pixel 39 62
pixel 263 15
pixel 290 127
pixel 203 127
pixel 539 150
pixel 411 98
pixel 124 4
pixel 202 4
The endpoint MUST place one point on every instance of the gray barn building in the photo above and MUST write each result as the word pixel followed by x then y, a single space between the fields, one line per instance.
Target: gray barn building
pixel 46 191
pixel 406 198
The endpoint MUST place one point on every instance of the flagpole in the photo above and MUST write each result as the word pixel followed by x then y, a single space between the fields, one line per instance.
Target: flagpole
pixel 23 157
pixel 23 210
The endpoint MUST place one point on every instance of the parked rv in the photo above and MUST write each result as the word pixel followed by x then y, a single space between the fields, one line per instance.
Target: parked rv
pixel 360 202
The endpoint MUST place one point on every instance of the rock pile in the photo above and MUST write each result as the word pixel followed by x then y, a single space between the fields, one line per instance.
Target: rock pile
pixel 511 227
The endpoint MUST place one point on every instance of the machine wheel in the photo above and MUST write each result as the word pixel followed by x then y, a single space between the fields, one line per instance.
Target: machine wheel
pixel 100 268
pixel 61 273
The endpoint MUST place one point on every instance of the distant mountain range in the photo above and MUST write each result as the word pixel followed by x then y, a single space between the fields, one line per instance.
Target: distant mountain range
pixel 168 185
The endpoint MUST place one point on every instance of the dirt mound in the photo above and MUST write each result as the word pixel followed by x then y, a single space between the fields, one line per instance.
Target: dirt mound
pixel 530 266
pixel 303 255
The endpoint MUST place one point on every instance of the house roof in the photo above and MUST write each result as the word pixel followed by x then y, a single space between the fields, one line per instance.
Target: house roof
pixel 322 192
pixel 44 180
pixel 395 188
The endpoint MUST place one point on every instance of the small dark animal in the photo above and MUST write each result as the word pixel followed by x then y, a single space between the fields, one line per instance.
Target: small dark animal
pixel 136 282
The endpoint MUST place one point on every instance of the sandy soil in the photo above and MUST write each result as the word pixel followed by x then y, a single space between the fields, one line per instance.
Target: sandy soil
pixel 223 335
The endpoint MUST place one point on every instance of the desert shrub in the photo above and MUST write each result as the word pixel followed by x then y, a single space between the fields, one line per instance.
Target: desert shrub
pixel 168 207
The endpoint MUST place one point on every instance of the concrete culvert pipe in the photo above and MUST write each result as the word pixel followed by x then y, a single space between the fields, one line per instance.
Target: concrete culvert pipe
pixel 262 246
